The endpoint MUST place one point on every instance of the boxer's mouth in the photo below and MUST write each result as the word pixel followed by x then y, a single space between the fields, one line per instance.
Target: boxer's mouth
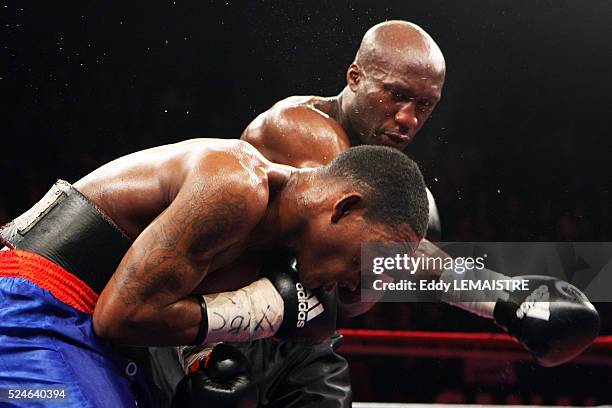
pixel 396 139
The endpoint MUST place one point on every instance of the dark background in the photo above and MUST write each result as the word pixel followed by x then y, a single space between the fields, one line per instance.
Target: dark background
pixel 518 148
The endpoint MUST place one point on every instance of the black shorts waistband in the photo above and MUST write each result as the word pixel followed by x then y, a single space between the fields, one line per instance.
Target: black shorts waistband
pixel 69 230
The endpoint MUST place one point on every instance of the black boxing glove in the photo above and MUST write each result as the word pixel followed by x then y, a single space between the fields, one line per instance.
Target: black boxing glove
pixel 555 321
pixel 221 378
pixel 308 315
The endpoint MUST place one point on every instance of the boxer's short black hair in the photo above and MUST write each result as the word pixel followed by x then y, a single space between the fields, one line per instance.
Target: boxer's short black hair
pixel 391 182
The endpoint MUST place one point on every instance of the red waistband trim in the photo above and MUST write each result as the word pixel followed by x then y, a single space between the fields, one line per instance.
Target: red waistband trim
pixel 39 270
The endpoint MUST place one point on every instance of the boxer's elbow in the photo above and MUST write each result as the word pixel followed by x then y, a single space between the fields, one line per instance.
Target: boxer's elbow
pixel 126 325
pixel 103 325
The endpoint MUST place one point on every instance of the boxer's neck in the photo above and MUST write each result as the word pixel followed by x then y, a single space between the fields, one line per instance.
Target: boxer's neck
pixel 341 104
pixel 289 207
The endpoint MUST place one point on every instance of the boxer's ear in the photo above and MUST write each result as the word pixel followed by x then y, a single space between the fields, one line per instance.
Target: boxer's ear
pixel 353 76
pixel 346 203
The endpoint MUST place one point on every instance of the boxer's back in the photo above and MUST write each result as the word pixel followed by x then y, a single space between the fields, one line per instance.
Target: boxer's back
pixel 134 189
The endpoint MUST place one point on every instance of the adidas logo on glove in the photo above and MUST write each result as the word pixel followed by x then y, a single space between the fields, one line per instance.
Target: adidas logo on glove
pixel 308 314
pixel 309 305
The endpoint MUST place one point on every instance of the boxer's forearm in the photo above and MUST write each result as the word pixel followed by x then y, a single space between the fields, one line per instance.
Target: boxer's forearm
pixel 147 300
pixel 175 324
pixel 252 312
pixel 350 304
pixel 481 306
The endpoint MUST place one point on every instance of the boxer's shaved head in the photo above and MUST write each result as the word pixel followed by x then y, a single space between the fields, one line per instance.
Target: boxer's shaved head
pixel 392 86
pixel 402 45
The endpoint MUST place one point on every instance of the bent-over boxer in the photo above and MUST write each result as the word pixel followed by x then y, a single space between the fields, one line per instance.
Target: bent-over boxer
pixel 149 250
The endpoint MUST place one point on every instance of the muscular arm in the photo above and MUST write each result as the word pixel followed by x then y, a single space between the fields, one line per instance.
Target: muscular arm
pixel 147 300
pixel 299 136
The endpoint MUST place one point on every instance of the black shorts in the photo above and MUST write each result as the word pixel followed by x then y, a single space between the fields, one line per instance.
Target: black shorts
pixel 288 374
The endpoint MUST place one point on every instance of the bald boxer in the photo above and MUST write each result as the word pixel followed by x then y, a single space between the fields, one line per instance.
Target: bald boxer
pixel 391 89
pixel 143 251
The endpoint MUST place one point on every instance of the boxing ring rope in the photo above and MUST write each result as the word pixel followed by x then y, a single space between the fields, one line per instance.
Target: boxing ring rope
pixel 453 345
pixel 456 345
pixel 400 405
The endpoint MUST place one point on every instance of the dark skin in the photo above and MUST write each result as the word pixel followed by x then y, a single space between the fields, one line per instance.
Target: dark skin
pixel 392 88
pixel 196 210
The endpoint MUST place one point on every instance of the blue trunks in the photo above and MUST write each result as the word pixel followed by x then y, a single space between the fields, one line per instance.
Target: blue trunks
pixel 49 354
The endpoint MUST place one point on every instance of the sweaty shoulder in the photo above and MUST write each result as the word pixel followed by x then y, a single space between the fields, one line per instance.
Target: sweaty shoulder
pixel 230 176
pixel 295 132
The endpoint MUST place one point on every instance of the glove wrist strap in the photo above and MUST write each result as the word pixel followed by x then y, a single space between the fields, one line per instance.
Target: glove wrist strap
pixel 203 330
